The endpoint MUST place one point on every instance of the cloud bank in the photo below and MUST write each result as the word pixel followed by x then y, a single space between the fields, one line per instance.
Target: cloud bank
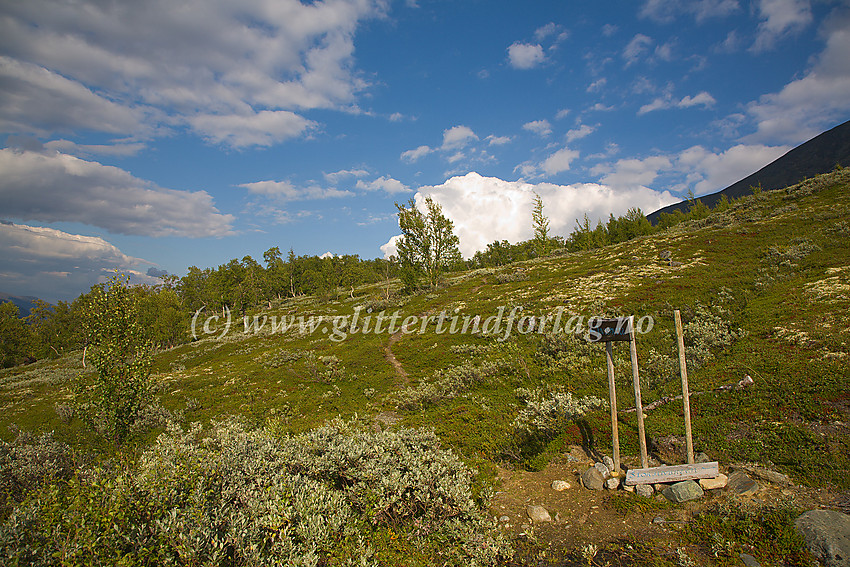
pixel 237 72
pixel 55 265
pixel 53 187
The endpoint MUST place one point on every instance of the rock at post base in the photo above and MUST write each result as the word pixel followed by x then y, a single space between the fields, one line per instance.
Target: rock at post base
pixel 593 479
pixel 603 469
pixel 538 514
pixel 702 458
pixel 612 483
pixel 683 491
pixel 719 481
pixel 741 484
pixel 644 490
pixel 749 560
pixel 827 535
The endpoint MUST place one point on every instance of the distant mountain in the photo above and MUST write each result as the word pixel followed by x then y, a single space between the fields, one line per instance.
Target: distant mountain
pixel 818 155
pixel 24 303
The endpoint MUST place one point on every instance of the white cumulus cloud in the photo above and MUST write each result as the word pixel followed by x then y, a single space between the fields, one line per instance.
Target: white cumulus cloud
pixel 286 191
pixel 703 99
pixel 637 47
pixel 485 209
pixel 383 183
pixel 539 127
pixel 696 168
pixel 416 154
pixel 780 18
pixel 525 55
pixel 457 137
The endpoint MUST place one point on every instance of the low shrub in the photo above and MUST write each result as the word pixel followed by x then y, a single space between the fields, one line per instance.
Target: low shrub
pixel 233 496
pixel 548 412
pixel 27 463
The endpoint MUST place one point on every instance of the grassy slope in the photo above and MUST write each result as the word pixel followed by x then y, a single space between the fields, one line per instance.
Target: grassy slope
pixel 777 265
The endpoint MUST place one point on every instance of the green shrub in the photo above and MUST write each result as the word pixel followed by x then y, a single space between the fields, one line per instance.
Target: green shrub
pixel 29 462
pixel 231 496
pixel 706 332
pixel 448 383
pixel 548 412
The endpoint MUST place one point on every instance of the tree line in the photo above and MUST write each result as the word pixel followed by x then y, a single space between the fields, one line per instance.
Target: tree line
pixel 427 249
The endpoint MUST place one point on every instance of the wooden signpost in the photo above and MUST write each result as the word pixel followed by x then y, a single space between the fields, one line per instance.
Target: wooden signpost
pixel 686 394
pixel 609 331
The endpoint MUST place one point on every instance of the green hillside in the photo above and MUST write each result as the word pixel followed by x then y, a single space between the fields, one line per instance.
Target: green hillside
pixel 764 290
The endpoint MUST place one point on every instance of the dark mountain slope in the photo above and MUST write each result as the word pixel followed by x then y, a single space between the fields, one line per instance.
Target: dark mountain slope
pixel 818 155
pixel 25 304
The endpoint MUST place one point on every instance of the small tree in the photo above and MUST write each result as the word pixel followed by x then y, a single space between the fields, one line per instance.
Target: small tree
pixel 428 244
pixel 15 336
pixel 112 399
pixel 541 227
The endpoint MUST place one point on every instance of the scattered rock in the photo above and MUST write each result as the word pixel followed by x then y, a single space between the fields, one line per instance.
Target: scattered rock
pixel 827 534
pixel 658 520
pixel 504 519
pixel 578 454
pixel 701 458
pixel 683 491
pixel 770 476
pixel 749 560
pixel 719 481
pixel 665 255
pixel 561 485
pixel 538 514
pixel 592 479
pixel 644 490
pixel 612 483
pixel 742 485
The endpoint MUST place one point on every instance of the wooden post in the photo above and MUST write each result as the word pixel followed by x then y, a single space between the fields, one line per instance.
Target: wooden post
pixel 612 394
pixel 644 461
pixel 683 369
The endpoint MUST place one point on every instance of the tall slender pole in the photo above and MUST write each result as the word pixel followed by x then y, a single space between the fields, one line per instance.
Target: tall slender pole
pixel 644 461
pixel 686 395
pixel 612 395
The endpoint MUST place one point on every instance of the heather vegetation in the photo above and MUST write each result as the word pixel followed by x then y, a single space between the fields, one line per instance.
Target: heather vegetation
pixel 248 448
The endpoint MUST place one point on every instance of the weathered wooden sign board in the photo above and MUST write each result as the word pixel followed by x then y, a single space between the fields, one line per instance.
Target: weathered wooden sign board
pixel 672 474
pixel 607 330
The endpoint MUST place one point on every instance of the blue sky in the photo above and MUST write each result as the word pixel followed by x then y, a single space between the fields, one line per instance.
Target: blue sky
pixel 154 135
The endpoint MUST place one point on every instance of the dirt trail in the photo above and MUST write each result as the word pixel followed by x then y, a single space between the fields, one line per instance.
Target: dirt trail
pixel 401 373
